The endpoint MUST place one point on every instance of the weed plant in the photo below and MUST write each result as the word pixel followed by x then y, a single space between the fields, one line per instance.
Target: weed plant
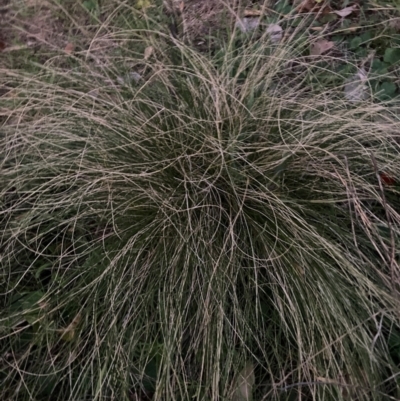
pixel 160 231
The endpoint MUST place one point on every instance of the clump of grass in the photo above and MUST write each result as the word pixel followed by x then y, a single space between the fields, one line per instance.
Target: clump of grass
pixel 159 235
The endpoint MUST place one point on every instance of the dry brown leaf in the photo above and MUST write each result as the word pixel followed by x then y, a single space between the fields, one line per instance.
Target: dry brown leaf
pixel 325 9
pixel 320 47
pixel 356 88
pixel 148 51
pixel 247 24
pixel 345 11
pixel 306 6
pixel 275 32
pixel 69 48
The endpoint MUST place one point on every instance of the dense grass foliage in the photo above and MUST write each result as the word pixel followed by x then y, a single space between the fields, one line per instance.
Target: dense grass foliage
pixel 160 232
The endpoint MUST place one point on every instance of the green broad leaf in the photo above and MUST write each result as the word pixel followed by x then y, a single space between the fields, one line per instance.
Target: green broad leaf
pixel 361 51
pixel 392 55
pixel 388 89
pixel 379 67
pixel 376 64
pixel 31 299
pixel 90 5
pixel 329 18
pixel 346 23
pixel 366 36
pixel 355 42
pixel 338 38
pixel 31 318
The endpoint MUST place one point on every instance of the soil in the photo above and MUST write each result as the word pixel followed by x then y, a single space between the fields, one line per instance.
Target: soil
pixel 30 25
pixel 37 24
pixel 201 19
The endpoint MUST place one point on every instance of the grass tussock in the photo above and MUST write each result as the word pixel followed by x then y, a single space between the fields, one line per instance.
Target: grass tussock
pixel 159 234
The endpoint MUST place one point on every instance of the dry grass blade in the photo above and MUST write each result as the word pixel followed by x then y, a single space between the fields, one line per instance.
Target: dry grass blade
pixel 220 211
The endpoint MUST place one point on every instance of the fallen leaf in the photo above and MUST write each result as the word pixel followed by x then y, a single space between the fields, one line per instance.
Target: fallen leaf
pixel 135 76
pixel 305 6
pixel 345 11
pixel 2 45
pixel 247 24
pixel 148 51
pixel 355 89
pixel 275 32
pixel 69 48
pixel 132 76
pixel 320 47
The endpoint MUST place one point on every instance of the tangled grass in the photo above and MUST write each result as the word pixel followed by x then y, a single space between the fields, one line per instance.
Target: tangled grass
pixel 158 236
